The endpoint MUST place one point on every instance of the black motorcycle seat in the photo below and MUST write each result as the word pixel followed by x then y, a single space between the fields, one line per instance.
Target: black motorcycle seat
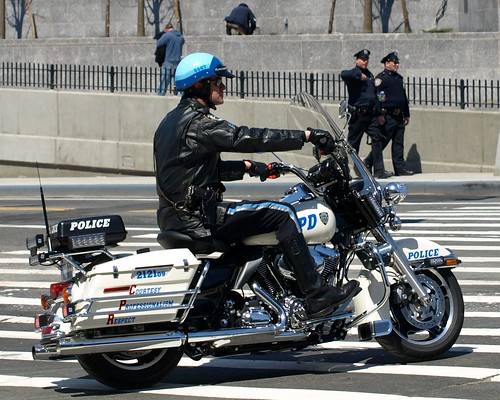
pixel 177 240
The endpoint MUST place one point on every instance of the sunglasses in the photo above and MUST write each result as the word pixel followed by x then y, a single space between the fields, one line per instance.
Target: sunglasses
pixel 218 81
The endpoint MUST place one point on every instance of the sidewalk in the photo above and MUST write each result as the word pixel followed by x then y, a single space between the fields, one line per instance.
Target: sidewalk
pixel 134 186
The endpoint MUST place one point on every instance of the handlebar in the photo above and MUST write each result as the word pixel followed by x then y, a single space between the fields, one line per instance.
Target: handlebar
pixel 276 169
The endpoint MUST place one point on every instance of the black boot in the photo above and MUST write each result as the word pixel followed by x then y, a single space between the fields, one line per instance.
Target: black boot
pixel 321 299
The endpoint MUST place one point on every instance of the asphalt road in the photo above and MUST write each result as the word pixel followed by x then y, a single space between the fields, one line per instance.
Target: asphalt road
pixel 350 369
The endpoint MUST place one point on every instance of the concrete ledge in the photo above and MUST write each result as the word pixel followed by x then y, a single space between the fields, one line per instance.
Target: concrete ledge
pixel 497 159
pixel 484 184
pixel 113 133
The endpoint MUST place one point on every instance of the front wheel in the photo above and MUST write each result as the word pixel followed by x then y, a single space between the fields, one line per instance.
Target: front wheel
pixel 133 369
pixel 425 332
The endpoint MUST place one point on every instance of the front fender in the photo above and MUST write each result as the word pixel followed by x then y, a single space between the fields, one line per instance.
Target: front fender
pixel 424 253
pixel 421 253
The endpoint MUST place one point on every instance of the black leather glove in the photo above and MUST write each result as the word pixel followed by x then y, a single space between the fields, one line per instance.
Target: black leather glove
pixel 323 140
pixel 258 169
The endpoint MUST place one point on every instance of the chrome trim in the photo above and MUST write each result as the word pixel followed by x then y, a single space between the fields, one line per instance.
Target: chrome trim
pixel 70 346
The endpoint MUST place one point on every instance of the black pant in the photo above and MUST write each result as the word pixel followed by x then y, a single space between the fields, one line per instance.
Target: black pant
pixel 360 124
pixel 249 218
pixel 393 130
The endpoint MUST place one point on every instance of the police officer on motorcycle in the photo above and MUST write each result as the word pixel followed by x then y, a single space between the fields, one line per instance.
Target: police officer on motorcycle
pixel 189 174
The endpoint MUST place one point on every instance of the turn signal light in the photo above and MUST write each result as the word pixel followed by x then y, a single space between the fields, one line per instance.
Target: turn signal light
pixel 45 301
pixel 66 293
pixel 450 262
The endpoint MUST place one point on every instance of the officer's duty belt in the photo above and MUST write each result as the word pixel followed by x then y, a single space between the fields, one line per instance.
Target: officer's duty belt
pixel 365 110
pixel 394 112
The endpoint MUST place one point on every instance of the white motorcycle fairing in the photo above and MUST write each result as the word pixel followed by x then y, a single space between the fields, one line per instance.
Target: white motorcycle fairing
pixel 420 249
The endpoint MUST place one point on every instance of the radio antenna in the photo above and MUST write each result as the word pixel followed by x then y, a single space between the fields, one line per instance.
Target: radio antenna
pixel 44 208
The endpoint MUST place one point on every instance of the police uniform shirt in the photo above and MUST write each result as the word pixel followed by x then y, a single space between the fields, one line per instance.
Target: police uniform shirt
pixel 391 83
pixel 361 93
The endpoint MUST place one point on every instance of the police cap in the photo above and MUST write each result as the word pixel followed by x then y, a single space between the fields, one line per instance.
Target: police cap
pixel 393 56
pixel 364 54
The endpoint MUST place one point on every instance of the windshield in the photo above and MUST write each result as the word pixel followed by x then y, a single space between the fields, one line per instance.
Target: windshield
pixel 306 111
pixel 306 107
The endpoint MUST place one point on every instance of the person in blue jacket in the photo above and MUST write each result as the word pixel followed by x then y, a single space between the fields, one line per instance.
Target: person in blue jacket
pixel 173 41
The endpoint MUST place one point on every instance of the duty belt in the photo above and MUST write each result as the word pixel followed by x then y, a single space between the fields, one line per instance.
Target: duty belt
pixel 370 110
pixel 394 112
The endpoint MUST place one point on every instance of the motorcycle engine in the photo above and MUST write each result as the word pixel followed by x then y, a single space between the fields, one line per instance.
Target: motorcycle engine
pixel 326 261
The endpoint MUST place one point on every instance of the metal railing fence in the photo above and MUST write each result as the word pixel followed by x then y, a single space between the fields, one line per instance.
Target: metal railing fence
pixel 327 87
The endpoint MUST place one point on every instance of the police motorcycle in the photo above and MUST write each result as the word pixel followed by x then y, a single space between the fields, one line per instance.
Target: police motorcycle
pixel 129 318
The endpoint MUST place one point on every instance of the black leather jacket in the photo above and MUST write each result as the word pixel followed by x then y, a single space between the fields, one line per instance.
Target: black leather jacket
pixel 187 147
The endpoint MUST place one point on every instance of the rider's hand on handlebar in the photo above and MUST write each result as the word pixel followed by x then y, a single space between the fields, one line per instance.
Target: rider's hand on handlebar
pixel 259 169
pixel 273 170
pixel 323 140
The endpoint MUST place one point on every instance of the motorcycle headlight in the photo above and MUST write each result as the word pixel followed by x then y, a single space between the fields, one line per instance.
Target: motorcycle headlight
pixel 395 192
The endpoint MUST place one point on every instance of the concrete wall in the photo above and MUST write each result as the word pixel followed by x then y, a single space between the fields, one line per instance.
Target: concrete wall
pixel 112 133
pixel 436 55
pixel 478 15
pixel 78 19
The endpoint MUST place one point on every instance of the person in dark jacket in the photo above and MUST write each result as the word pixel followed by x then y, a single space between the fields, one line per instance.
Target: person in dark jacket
pixel 391 91
pixel 172 41
pixel 242 20
pixel 187 153
pixel 367 114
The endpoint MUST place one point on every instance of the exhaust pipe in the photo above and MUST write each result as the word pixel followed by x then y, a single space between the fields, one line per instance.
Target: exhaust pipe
pixel 66 347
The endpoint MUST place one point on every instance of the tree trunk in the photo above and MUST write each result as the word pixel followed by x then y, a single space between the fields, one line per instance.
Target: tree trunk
pixel 140 18
pixel 178 16
pixel 332 16
pixel 406 19
pixel 106 26
pixel 34 33
pixel 368 17
pixel 2 19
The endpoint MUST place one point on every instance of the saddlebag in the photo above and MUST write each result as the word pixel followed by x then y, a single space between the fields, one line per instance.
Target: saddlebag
pixel 143 288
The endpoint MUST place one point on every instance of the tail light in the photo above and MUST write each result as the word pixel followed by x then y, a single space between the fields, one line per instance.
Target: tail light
pixel 57 288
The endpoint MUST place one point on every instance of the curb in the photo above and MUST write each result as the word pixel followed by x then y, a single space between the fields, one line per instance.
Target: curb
pixel 144 187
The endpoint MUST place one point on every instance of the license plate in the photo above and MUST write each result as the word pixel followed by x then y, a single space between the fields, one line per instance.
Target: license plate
pixel 66 272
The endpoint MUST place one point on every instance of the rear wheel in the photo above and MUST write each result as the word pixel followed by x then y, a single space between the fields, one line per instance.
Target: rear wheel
pixel 425 332
pixel 132 369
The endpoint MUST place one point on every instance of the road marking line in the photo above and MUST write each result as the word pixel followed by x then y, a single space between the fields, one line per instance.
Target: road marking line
pixel 23 285
pixel 211 391
pixel 31 271
pixel 14 319
pixel 19 335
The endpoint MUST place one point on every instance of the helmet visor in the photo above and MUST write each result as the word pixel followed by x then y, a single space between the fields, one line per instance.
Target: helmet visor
pixel 221 70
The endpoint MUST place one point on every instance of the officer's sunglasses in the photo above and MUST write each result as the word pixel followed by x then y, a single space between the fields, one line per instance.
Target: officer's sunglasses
pixel 217 81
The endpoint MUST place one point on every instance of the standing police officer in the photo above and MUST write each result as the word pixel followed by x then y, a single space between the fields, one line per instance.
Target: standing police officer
pixel 366 116
pixel 391 92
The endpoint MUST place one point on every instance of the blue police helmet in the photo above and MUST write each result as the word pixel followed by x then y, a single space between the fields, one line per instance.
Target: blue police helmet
pixel 196 67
